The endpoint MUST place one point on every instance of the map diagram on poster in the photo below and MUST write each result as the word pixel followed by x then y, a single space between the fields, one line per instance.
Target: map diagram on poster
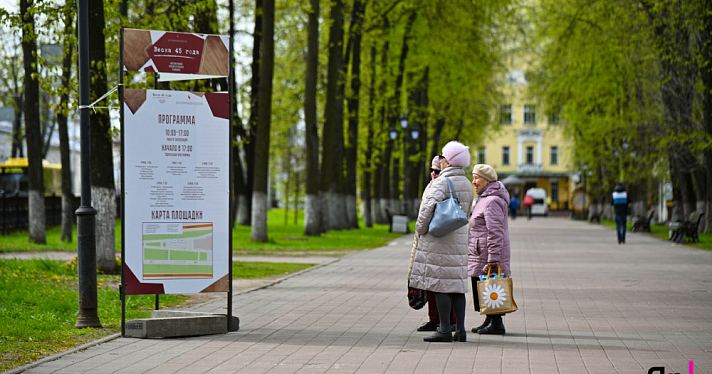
pixel 175 250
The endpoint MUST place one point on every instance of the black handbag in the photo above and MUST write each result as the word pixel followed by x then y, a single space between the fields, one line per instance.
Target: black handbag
pixel 417 298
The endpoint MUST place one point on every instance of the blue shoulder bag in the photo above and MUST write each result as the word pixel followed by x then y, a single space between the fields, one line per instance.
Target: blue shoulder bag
pixel 448 215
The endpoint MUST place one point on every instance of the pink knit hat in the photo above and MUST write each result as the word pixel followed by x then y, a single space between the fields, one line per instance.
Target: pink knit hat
pixel 457 154
pixel 436 163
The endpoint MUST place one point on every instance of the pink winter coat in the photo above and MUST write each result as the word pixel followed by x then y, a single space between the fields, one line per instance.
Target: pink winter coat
pixel 488 239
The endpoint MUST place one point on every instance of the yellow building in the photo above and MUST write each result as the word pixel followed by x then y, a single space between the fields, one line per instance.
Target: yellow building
pixel 528 146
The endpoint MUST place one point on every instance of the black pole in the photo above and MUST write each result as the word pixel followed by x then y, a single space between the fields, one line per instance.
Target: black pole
pixel 155 87
pixel 405 175
pixel 122 289
pixel 86 215
pixel 231 326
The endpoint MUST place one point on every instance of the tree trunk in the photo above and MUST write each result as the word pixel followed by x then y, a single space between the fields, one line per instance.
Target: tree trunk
pixel 251 142
pixel 260 188
pixel 338 206
pixel 352 147
pixel 382 180
pixel 706 41
pixel 332 146
pixel 439 125
pixel 239 197
pixel 32 126
pixel 103 190
pixel 423 114
pixel 368 162
pixel 64 150
pixel 47 136
pixel 17 137
pixel 312 208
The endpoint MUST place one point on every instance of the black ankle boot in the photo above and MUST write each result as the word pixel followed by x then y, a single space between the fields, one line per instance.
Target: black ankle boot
pixel 439 337
pixel 429 326
pixel 495 328
pixel 459 336
pixel 484 324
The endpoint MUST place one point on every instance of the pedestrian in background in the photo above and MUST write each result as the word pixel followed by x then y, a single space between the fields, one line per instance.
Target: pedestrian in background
pixel 440 263
pixel 528 202
pixel 620 206
pixel 488 238
pixel 433 316
pixel 513 206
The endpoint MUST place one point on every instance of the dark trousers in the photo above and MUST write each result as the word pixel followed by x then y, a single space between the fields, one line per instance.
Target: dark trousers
pixel 513 213
pixel 447 302
pixel 433 310
pixel 620 227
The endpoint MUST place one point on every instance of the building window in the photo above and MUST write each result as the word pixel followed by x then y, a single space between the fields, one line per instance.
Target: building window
pixel 505 155
pixel 554 155
pixel 530 115
pixel 505 114
pixel 554 118
pixel 554 191
pixel 530 155
pixel 481 153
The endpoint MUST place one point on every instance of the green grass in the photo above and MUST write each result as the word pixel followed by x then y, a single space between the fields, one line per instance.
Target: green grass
pixel 38 309
pixel 256 270
pixel 290 237
pixel 38 306
pixel 283 238
pixel 662 232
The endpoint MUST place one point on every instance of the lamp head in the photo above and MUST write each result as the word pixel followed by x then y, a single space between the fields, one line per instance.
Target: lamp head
pixel 393 133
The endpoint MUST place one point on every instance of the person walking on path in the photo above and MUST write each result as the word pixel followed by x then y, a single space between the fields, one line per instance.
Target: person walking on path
pixel 513 206
pixel 433 316
pixel 620 205
pixel 528 202
pixel 440 263
pixel 488 240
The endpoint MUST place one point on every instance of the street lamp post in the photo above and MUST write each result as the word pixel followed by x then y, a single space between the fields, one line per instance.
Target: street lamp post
pixel 404 126
pixel 415 134
pixel 86 215
pixel 585 196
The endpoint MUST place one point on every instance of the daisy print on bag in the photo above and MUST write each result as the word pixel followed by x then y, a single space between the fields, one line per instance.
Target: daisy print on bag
pixel 494 296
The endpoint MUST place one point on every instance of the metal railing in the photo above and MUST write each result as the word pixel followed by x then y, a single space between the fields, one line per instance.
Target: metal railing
pixel 14 211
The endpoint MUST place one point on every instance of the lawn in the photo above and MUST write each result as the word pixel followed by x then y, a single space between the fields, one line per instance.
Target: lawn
pixel 662 232
pixel 284 237
pixel 39 301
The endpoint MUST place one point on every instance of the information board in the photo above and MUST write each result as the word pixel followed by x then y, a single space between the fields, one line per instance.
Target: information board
pixel 176 53
pixel 176 191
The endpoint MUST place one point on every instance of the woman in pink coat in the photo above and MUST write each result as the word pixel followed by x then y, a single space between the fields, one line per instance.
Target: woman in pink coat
pixel 488 239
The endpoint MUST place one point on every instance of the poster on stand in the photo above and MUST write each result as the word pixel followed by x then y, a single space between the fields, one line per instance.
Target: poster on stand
pixel 176 191
pixel 176 55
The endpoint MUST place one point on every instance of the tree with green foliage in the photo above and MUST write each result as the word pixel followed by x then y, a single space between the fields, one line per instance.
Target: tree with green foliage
pixel 627 78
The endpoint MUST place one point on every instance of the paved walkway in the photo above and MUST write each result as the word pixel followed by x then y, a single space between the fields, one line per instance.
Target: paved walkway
pixel 587 305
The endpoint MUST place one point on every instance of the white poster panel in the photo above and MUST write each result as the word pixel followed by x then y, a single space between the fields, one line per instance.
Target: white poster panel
pixel 176 191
